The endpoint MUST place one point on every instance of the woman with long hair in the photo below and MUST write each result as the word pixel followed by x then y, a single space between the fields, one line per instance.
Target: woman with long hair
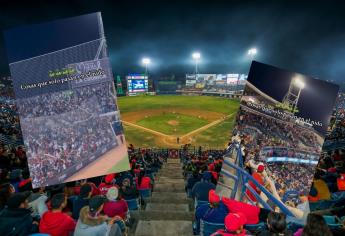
pixel 316 226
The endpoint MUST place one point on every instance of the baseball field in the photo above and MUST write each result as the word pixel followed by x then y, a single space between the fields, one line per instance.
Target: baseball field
pixel 173 120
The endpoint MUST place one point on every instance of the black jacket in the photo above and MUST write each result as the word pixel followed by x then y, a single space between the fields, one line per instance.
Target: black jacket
pixel 16 222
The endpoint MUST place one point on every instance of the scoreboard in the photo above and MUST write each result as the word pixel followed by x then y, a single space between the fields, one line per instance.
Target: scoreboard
pixel 137 83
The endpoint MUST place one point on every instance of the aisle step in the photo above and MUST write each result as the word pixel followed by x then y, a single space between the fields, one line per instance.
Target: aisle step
pixel 169 188
pixel 159 215
pixel 165 180
pixel 173 161
pixel 159 228
pixel 167 208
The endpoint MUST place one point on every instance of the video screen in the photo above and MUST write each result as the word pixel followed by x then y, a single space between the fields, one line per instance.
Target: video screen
pixel 137 83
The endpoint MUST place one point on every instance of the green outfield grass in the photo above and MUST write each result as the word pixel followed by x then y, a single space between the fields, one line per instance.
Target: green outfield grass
pixel 122 165
pixel 215 137
pixel 139 138
pixel 160 123
pixel 208 139
pixel 205 103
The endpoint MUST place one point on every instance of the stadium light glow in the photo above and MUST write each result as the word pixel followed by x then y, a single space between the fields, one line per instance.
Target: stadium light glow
pixel 299 83
pixel 196 55
pixel 252 52
pixel 146 61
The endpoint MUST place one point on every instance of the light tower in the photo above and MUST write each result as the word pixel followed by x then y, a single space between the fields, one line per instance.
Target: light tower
pixel 292 96
pixel 146 61
pixel 252 52
pixel 196 57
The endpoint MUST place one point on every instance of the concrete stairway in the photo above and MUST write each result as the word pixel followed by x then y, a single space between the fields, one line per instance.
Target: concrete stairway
pixel 169 211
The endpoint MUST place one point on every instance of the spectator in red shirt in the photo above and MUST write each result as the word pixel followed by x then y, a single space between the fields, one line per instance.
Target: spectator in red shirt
pixel 55 222
pixel 258 176
pixel 108 183
pixel 143 182
pixel 115 206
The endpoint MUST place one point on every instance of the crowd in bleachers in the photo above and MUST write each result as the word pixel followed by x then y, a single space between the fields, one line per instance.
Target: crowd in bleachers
pixel 63 129
pixel 260 132
pixel 216 215
pixel 61 102
pixel 97 206
pixel 54 147
pixel 102 205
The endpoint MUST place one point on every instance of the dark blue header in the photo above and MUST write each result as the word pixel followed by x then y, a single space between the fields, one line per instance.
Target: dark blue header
pixel 34 40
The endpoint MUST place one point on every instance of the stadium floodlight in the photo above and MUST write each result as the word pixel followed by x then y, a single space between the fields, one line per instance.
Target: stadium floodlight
pixel 299 83
pixel 252 52
pixel 196 57
pixel 292 96
pixel 146 61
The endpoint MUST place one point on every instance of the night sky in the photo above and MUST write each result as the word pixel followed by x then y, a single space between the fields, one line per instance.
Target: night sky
pixel 305 37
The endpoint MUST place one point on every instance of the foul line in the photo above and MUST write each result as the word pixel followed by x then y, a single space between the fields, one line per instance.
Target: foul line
pixel 184 136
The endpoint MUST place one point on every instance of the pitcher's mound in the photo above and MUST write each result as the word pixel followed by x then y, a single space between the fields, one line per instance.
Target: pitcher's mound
pixel 173 122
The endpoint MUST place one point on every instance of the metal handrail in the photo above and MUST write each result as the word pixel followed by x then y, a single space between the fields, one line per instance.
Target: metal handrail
pixel 243 176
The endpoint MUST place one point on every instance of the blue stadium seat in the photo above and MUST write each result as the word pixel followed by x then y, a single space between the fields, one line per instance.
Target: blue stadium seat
pixel 255 227
pixel 38 234
pixel 198 203
pixel 145 193
pixel 338 195
pixel 133 204
pixel 207 228
pixel 332 222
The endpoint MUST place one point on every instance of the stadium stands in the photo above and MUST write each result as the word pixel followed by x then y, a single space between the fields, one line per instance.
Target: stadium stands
pixel 165 207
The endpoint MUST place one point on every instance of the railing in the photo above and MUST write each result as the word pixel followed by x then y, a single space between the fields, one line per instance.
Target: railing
pixel 242 178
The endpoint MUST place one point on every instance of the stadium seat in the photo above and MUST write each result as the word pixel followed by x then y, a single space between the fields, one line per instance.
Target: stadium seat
pixel 198 203
pixel 332 222
pixel 255 228
pixel 133 204
pixel 207 228
pixel 39 234
pixel 292 226
pixel 338 195
pixel 145 193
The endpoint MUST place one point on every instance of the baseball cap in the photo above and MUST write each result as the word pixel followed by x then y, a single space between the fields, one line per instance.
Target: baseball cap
pixel 234 221
pixel 95 202
pixel 109 178
pixel 213 197
pixel 261 168
pixel 16 199
pixel 112 193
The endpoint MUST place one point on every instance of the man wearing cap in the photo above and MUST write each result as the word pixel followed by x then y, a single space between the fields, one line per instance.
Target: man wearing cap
pixel 115 206
pixel 108 183
pixel 82 200
pixel 234 223
pixel 55 222
pixel 91 222
pixel 214 212
pixel 15 218
pixel 201 188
